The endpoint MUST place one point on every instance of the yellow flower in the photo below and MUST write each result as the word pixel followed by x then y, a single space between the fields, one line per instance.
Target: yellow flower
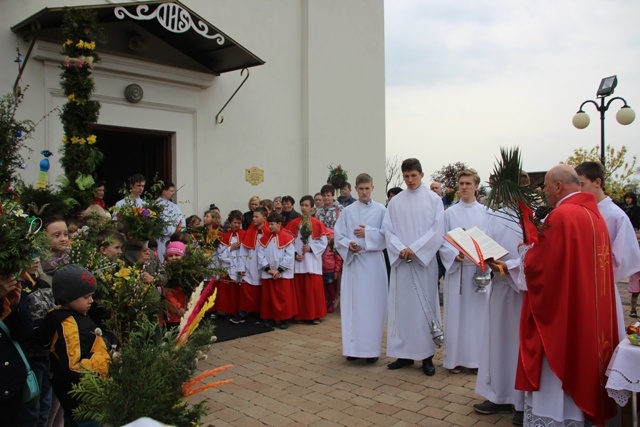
pixel 75 140
pixel 68 42
pixel 90 46
pixel 91 139
pixel 124 272
pixel 64 139
pixel 71 97
pixel 80 44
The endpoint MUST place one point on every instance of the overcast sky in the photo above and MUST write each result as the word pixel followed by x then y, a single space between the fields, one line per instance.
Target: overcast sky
pixel 465 77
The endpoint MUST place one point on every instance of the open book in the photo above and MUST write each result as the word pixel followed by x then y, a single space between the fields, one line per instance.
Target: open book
pixel 463 240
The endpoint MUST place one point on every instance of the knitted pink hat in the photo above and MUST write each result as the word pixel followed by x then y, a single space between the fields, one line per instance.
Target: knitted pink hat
pixel 176 248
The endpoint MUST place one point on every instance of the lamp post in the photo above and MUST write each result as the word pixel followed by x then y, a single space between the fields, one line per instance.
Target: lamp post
pixel 624 116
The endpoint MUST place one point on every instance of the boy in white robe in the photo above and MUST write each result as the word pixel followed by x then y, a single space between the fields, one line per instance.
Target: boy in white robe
pixel 625 251
pixel 464 308
pixel 414 230
pixel 501 337
pixel 359 238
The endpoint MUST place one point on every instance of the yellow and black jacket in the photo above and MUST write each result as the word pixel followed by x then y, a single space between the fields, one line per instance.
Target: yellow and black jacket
pixel 73 343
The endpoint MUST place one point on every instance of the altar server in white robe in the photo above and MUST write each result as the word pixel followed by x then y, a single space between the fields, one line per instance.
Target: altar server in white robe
pixel 414 230
pixel 625 251
pixel 501 335
pixel 464 308
pixel 360 240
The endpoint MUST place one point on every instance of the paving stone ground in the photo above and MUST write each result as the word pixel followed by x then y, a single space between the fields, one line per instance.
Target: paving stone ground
pixel 298 377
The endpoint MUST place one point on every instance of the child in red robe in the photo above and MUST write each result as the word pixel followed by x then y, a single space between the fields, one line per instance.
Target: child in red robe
pixel 250 288
pixel 228 296
pixel 276 256
pixel 310 243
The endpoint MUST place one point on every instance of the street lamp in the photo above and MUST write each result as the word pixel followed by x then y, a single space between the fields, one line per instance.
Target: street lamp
pixel 624 116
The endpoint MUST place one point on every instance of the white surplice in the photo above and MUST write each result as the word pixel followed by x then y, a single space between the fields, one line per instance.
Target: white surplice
pixel 312 261
pixel 231 260
pixel 464 308
pixel 363 294
pixel 415 220
pixel 273 257
pixel 625 251
pixel 501 336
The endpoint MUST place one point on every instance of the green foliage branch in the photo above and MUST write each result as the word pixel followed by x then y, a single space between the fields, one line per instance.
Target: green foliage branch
pixel 80 154
pixel 618 176
pixel 507 195
pixel 13 134
pixel 145 379
pixel 187 272
pixel 21 238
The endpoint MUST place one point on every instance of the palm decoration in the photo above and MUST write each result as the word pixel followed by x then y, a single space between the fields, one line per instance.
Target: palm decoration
pixel 305 229
pixel 516 201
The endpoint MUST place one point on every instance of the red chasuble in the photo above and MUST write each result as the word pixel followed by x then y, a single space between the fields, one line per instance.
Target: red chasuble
pixel 568 313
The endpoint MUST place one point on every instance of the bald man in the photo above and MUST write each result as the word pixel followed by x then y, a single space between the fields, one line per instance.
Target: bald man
pixel 568 326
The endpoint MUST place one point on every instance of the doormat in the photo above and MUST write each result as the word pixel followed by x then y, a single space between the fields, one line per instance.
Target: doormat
pixel 226 331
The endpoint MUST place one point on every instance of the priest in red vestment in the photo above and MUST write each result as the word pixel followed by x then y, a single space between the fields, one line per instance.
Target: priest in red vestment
pixel 568 327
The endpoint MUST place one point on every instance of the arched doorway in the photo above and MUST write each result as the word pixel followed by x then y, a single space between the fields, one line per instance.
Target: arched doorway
pixel 128 151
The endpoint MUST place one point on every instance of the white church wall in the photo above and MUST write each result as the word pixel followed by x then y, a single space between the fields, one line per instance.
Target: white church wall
pixel 318 100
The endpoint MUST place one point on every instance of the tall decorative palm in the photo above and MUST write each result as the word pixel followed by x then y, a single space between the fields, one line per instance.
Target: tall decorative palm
pixel 516 201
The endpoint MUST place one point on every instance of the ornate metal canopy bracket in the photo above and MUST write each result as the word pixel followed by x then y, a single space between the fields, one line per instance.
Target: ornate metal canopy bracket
pixel 219 117
pixel 36 28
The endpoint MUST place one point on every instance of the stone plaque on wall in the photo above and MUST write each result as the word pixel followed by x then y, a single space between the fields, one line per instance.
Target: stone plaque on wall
pixel 254 175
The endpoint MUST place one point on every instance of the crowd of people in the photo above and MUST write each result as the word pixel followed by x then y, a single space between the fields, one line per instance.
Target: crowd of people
pixel 274 265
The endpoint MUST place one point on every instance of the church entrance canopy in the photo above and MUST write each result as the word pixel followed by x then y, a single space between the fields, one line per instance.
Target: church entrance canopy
pixel 165 32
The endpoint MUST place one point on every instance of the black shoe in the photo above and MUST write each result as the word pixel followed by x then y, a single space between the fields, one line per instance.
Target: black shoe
pixel 400 363
pixel 427 367
pixel 633 313
pixel 518 418
pixel 372 360
pixel 351 358
pixel 268 324
pixel 489 408
pixel 236 320
pixel 259 322
pixel 284 324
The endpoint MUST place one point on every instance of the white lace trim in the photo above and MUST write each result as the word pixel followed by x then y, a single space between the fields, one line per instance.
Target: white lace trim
pixel 533 420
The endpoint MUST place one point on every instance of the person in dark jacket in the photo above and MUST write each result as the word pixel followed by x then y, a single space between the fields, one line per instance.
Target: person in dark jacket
pixel 14 313
pixel 630 207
